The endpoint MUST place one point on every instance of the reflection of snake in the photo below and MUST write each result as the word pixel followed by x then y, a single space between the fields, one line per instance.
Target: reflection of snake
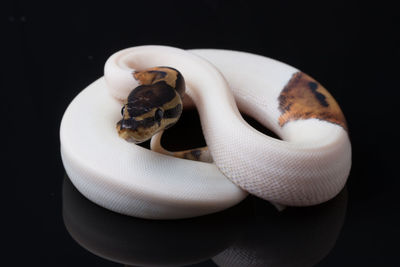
pixel 252 233
pixel 308 166
pixel 139 242
pixel 296 237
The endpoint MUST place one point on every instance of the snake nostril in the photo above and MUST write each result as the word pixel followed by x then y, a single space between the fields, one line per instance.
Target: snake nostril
pixel 130 124
pixel 122 124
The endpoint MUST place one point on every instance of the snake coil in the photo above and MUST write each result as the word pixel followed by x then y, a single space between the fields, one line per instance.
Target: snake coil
pixel 309 165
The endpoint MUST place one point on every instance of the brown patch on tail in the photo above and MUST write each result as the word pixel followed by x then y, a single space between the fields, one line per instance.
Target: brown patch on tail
pixel 304 98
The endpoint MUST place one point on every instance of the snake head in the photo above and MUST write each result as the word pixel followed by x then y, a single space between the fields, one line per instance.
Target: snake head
pixel 138 130
pixel 149 109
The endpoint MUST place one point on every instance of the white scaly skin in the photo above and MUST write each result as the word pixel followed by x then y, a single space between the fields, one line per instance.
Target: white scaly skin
pixel 308 166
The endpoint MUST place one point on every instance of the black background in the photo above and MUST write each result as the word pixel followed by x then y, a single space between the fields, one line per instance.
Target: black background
pixel 53 50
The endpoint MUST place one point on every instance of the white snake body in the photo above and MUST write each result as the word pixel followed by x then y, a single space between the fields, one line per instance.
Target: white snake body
pixel 308 166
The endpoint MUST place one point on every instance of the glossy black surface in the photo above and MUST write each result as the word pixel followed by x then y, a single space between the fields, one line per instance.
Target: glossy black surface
pixel 51 51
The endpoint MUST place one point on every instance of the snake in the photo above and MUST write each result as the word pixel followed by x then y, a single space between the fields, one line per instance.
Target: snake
pixel 143 93
pixel 154 106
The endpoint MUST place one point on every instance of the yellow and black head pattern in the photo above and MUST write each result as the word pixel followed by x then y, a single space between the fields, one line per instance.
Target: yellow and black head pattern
pixel 154 105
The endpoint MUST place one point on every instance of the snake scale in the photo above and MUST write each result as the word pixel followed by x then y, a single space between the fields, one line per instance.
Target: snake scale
pixel 308 165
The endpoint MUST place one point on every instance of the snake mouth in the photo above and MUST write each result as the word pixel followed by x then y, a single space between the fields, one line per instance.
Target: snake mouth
pixel 131 135
pixel 131 140
pixel 125 133
pixel 127 136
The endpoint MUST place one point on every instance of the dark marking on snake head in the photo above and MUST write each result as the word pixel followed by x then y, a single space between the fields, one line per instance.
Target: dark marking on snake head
pixel 147 122
pixel 128 124
pixel 173 112
pixel 133 124
pixel 146 97
pixel 158 116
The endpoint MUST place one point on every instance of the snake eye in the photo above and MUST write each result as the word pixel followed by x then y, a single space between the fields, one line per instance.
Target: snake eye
pixel 158 115
pixel 123 110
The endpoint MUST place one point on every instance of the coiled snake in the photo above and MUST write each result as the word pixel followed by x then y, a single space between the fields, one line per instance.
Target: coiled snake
pixel 309 165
